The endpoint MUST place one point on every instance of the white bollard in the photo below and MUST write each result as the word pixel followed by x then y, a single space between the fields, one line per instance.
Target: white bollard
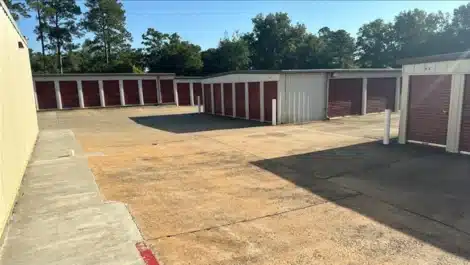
pixel 198 104
pixel 388 116
pixel 274 112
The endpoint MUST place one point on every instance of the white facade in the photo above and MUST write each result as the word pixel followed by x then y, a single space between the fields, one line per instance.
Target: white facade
pixel 302 97
pixel 458 69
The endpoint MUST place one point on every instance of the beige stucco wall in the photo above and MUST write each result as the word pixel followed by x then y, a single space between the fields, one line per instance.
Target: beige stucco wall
pixel 18 121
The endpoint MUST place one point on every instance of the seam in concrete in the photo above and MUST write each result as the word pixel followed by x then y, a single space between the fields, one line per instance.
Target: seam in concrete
pixel 259 217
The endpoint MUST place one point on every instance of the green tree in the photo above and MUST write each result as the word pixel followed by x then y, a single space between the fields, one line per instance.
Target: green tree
pixel 273 39
pixel 40 10
pixel 375 45
pixel 60 17
pixel 339 48
pixel 417 33
pixel 107 21
pixel 168 53
pixel 459 30
pixel 231 54
pixel 17 9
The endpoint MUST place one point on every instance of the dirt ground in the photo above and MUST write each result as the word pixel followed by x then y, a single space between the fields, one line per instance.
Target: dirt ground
pixel 213 190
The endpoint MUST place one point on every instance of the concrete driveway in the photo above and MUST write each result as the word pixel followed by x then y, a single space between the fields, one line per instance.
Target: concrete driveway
pixel 212 190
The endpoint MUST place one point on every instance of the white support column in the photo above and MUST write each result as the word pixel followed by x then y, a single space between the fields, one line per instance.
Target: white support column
pixel 403 109
pixel 159 91
pixel 198 104
pixel 141 92
pixel 261 100
pixel 234 101
pixel 247 102
pixel 274 112
pixel 58 95
pixel 212 99
pixel 121 93
pixel 397 94
pixel 455 113
pixel 175 92
pixel 222 98
pixel 203 100
pixel 35 95
pixel 388 115
pixel 364 96
pixel 102 99
pixel 80 94
pixel 191 93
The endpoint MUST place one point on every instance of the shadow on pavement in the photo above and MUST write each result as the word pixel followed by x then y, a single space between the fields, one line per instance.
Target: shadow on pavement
pixel 418 190
pixel 194 122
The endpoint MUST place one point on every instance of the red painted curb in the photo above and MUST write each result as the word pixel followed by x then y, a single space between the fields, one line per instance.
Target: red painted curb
pixel 146 254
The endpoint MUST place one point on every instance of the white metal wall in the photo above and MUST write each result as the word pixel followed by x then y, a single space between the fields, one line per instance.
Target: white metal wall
pixel 302 97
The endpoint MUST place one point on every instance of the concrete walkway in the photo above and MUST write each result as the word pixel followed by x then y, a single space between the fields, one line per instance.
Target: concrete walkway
pixel 60 217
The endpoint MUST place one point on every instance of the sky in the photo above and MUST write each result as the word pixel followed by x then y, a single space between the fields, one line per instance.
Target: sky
pixel 206 22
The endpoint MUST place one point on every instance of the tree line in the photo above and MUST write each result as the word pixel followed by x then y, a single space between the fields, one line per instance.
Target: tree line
pixel 274 42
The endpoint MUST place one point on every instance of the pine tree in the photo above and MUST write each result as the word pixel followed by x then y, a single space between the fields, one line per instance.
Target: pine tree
pixel 107 20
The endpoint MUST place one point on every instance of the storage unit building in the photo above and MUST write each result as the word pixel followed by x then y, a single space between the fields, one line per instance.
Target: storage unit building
pixel 436 101
pixel 188 88
pixel 69 91
pixel 301 95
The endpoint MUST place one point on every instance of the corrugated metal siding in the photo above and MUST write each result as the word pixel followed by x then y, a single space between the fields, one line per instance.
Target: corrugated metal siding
pixel 217 99
pixel 465 125
pixel 228 97
pixel 207 99
pixel 197 92
pixel 46 95
pixel 270 93
pixel 240 100
pixel 166 88
pixel 380 94
pixel 303 97
pixel 428 108
pixel 345 97
pixel 91 93
pixel 254 100
pixel 69 94
pixel 184 97
pixel 149 89
pixel 131 92
pixel 111 92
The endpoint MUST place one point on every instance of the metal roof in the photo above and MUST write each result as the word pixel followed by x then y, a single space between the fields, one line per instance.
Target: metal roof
pixel 103 74
pixel 436 58
pixel 294 71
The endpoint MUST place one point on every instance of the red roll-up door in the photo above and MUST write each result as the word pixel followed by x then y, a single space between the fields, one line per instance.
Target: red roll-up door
pixel 207 98
pixel 69 94
pixel 91 93
pixel 131 92
pixel 149 89
pixel 197 92
pixel 46 95
pixel 380 94
pixel 184 95
pixel 217 99
pixel 344 97
pixel 111 92
pixel 240 100
pixel 254 101
pixel 166 88
pixel 428 108
pixel 270 93
pixel 465 125
pixel 228 97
